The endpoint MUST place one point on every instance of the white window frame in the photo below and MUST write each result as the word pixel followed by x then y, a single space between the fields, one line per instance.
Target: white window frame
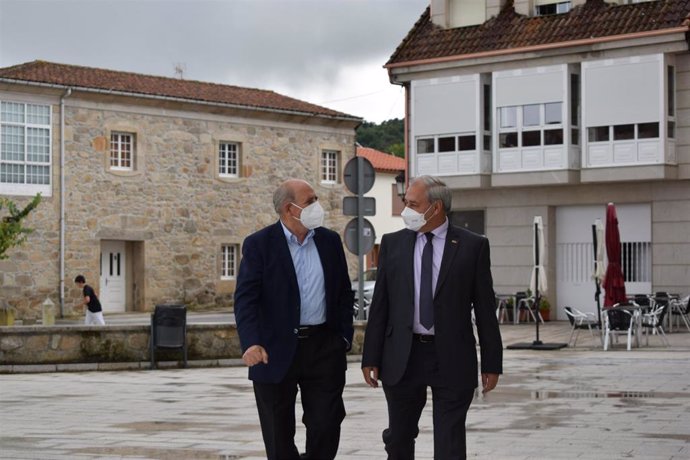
pixel 329 166
pixel 24 188
pixel 561 7
pixel 229 254
pixel 228 159
pixel 116 151
pixel 521 128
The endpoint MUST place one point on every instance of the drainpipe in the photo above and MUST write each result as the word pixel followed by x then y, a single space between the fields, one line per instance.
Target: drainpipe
pixel 62 200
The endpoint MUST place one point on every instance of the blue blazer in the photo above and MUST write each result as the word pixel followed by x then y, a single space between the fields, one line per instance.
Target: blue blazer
pixel 267 300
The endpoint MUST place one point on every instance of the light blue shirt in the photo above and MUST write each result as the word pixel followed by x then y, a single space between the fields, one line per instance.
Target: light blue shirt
pixel 438 243
pixel 312 288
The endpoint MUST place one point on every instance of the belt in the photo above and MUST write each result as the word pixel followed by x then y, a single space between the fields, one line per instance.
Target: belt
pixel 304 332
pixel 423 338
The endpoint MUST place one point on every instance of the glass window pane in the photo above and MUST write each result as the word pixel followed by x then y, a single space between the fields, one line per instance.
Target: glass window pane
pixel 623 132
pixel 647 130
pixel 530 115
pixel 12 146
pixel 487 142
pixel 11 173
pixel 38 145
pixel 671 90
pixel 508 117
pixel 598 134
pixel 552 113
pixel 12 112
pixel 507 140
pixel 671 130
pixel 553 136
pixel 487 108
pixel 446 144
pixel 467 142
pixel 531 138
pixel 425 145
pixel 575 136
pixel 38 114
pixel 574 99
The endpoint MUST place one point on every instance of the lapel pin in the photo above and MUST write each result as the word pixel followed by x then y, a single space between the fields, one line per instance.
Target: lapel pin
pixel 454 241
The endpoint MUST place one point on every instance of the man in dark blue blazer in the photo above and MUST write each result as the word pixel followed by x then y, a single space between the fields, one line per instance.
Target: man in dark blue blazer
pixel 431 277
pixel 294 311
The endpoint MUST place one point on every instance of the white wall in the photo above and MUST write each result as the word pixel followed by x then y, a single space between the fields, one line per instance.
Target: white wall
pixel 384 221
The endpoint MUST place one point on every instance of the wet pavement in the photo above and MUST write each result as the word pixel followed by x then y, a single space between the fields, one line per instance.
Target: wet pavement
pixel 574 403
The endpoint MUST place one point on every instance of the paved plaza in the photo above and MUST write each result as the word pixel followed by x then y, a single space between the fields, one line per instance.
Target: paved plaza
pixel 574 403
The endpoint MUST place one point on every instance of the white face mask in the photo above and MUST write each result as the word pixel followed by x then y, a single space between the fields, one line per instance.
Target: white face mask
pixel 312 215
pixel 414 220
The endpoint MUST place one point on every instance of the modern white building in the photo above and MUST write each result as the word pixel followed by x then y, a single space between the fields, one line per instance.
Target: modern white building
pixel 555 108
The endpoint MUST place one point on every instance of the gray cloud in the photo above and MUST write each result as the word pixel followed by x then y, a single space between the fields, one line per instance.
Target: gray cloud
pixel 303 47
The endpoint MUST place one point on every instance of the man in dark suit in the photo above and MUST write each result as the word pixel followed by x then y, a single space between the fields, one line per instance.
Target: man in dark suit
pixel 293 306
pixel 431 276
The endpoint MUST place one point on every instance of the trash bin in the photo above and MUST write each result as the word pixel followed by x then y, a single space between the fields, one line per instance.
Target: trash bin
pixel 168 330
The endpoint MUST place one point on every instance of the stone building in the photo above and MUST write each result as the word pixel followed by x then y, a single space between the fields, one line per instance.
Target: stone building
pixel 554 108
pixel 150 184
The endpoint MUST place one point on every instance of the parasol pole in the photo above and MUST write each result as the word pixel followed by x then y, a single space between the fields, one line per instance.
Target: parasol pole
pixel 537 300
pixel 597 291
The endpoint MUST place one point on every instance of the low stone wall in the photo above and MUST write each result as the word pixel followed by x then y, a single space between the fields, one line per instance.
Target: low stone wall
pixel 33 345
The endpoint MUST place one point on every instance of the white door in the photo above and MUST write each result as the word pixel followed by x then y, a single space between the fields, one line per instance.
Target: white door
pixel 113 276
pixel 575 254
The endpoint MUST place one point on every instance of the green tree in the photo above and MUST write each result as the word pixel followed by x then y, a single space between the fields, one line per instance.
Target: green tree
pixel 12 233
pixel 388 136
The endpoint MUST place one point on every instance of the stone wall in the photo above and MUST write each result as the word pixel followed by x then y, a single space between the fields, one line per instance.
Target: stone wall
pixel 173 211
pixel 32 345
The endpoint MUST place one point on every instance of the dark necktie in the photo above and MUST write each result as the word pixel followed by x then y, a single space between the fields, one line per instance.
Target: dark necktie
pixel 426 295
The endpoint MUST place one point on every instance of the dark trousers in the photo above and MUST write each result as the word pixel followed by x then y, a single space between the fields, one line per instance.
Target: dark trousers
pixel 407 398
pixel 318 369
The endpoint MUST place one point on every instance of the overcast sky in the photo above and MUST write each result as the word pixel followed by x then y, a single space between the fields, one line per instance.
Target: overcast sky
pixel 328 52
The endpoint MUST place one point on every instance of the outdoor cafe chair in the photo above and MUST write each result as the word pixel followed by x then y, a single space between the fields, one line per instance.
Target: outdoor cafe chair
pixel 652 323
pixel 579 321
pixel 680 310
pixel 526 303
pixel 619 321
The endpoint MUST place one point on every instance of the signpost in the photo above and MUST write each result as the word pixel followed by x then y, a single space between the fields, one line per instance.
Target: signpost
pixel 359 176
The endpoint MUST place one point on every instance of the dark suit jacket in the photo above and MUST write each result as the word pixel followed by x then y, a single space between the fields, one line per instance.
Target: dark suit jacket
pixel 464 282
pixel 267 301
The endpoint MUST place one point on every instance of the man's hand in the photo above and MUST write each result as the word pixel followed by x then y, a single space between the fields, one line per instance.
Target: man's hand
pixel 489 382
pixel 254 355
pixel 371 376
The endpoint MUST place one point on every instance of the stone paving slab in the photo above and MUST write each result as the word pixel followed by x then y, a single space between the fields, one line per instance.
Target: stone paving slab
pixel 578 403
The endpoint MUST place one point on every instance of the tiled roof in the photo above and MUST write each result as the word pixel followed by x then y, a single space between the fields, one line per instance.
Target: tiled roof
pixel 509 30
pixel 382 161
pixel 90 78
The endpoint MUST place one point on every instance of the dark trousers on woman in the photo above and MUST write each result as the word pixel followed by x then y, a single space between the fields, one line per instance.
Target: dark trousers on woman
pixel 318 369
pixel 407 398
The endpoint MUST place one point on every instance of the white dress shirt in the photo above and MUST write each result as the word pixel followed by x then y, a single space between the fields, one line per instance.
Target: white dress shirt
pixel 439 243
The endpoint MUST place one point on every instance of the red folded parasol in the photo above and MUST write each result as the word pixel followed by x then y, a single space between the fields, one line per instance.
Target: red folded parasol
pixel 614 283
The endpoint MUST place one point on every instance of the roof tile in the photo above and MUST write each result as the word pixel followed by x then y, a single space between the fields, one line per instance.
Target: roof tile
pixel 509 30
pixel 110 80
pixel 381 161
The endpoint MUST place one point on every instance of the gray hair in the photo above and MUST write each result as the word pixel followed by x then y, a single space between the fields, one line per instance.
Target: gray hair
pixel 436 190
pixel 283 194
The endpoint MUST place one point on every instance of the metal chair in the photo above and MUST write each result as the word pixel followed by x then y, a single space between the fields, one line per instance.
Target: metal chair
pixel 580 320
pixel 619 322
pixel 526 303
pixel 680 310
pixel 652 323
pixel 168 330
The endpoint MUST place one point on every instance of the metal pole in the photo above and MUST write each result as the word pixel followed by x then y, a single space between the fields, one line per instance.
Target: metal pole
pixel 597 291
pixel 360 229
pixel 537 300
